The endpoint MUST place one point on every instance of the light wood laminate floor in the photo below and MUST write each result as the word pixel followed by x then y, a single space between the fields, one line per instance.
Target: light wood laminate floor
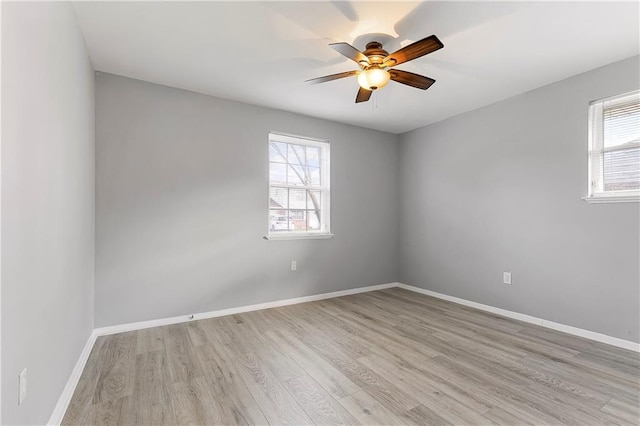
pixel 385 357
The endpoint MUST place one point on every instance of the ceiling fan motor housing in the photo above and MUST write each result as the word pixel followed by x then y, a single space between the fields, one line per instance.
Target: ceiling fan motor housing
pixel 375 52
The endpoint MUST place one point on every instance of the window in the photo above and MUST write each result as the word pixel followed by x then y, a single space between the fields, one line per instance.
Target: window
pixel 614 149
pixel 298 187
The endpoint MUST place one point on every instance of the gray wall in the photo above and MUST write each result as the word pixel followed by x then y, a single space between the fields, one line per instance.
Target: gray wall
pixel 47 204
pixel 499 189
pixel 181 205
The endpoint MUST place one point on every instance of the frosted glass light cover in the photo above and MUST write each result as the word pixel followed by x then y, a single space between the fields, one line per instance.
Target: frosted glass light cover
pixel 373 78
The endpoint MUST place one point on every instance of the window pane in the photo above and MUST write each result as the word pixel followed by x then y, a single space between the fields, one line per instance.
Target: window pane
pixel 278 198
pixel 278 152
pixel 296 175
pixel 314 176
pixel 622 124
pixel 297 199
pixel 622 170
pixel 296 154
pixel 277 174
pixel 313 220
pixel 313 156
pixel 278 221
pixel 297 220
pixel 313 200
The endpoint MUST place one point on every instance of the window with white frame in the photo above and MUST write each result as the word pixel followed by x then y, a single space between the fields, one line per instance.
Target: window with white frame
pixel 298 187
pixel 614 148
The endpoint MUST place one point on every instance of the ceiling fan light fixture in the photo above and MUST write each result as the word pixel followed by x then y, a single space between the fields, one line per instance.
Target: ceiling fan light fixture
pixel 373 78
pixel 375 61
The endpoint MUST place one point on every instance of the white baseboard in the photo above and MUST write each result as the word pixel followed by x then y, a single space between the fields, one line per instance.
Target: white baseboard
pixel 592 335
pixel 65 398
pixel 103 331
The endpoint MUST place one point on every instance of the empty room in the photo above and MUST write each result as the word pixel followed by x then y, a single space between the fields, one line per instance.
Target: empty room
pixel 320 212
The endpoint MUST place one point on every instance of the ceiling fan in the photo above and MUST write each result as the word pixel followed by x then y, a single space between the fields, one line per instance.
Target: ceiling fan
pixel 375 62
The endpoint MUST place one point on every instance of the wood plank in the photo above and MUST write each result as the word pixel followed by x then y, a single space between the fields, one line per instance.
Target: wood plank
pixel 317 403
pixel 308 328
pixel 237 404
pixel 623 411
pixel 611 364
pixel 584 377
pixel 279 362
pixel 197 333
pixel 151 394
pixel 429 392
pixel 276 403
pixel 239 336
pixel 551 407
pixel 213 330
pixel 368 411
pixel 393 398
pixel 328 377
pixel 507 417
pixel 182 362
pixel 114 412
pixel 117 367
pixel 423 416
pixel 149 340
pixel 193 403
pixel 463 410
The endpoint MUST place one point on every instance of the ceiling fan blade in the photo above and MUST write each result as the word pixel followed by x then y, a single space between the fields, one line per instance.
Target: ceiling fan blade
pixel 350 52
pixel 363 95
pixel 332 77
pixel 411 79
pixel 413 51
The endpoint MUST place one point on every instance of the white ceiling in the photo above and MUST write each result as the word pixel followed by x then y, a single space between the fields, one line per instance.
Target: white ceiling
pixel 262 52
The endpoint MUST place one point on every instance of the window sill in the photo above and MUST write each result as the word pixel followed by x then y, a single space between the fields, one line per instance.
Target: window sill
pixel 612 199
pixel 298 237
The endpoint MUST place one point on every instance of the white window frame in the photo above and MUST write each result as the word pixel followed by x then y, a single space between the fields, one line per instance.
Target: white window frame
pixel 325 188
pixel 595 190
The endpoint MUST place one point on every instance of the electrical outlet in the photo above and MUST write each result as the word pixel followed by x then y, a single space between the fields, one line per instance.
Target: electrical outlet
pixel 506 277
pixel 294 265
pixel 22 386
